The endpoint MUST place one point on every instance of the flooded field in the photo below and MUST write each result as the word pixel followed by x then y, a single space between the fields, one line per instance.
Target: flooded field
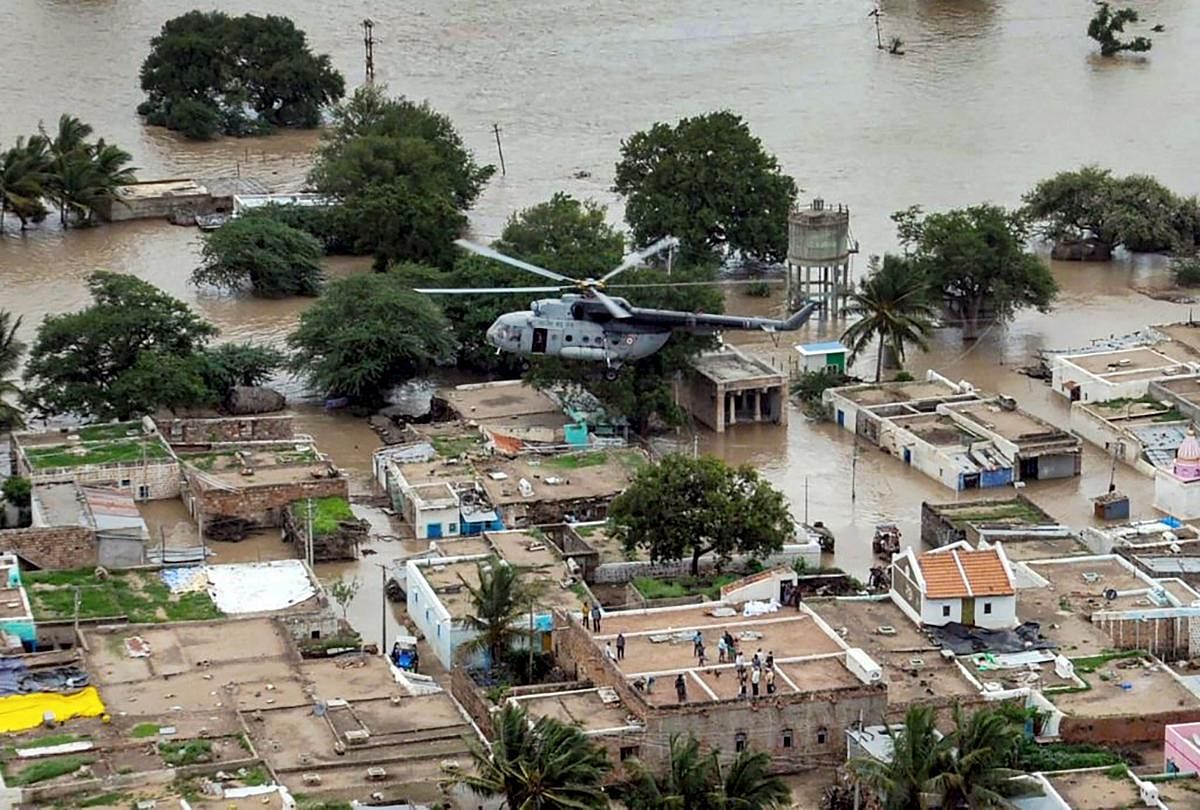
pixel 990 97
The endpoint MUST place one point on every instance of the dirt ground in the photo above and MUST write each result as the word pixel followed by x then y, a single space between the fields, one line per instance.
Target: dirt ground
pixel 1153 690
pixel 350 678
pixel 1024 550
pixel 1095 790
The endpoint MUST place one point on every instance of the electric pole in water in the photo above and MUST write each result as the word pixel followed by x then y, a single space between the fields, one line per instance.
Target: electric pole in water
pixel 368 27
pixel 878 33
pixel 496 130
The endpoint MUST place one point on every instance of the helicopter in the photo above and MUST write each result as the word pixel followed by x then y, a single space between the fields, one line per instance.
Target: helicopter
pixel 585 323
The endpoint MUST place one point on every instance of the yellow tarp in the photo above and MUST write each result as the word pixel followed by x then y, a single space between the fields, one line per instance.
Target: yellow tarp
pixel 22 712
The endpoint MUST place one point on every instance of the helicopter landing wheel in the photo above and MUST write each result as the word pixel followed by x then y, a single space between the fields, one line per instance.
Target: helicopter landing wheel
pixel 610 373
pixel 526 365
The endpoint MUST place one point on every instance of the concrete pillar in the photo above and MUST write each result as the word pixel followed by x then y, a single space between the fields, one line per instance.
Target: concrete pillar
pixel 719 427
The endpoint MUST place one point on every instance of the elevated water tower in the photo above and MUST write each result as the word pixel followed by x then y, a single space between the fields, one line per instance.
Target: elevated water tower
pixel 818 260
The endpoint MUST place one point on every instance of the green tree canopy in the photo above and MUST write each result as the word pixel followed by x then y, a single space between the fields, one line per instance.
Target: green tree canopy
pixel 1107 26
pixel 563 234
pixel 403 178
pixel 11 350
pixel 542 764
pixel 976 259
pixel 499 597
pixel 24 174
pixel 708 181
pixel 18 491
pixel 892 304
pixel 697 781
pixel 233 364
pixel 78 359
pixel 206 69
pixel 274 259
pixel 366 333
pixel 684 506
pixel 1135 211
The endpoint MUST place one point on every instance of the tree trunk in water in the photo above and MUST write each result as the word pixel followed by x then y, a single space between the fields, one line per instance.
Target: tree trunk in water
pixel 970 324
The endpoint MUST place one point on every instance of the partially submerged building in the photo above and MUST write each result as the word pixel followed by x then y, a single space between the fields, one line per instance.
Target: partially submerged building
pixel 826 356
pixel 532 490
pixel 1126 373
pixel 726 387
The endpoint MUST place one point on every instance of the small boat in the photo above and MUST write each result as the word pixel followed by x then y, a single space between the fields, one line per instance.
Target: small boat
pixel 887 540
pixel 210 222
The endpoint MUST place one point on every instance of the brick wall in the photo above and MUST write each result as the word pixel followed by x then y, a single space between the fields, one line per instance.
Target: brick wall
pixel 161 477
pixel 53 547
pixel 263 503
pixel 205 431
pixel 472 699
pixel 1167 638
pixel 1123 729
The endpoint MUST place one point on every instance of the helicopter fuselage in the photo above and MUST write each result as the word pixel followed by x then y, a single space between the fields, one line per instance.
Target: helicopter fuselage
pixel 574 328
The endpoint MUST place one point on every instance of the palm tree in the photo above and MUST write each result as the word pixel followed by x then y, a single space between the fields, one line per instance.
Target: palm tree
pixel 979 775
pixel 497 603
pixel 918 755
pixel 69 160
pixel 749 785
pixel 23 177
pixel 11 350
pixel 893 305
pixel 542 765
pixel 697 780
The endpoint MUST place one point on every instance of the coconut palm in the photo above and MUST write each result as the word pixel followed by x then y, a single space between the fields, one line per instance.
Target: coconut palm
pixel 978 775
pixel 894 306
pixel 11 350
pixel 23 178
pixel 542 765
pixel 918 755
pixel 82 175
pixel 694 779
pixel 497 603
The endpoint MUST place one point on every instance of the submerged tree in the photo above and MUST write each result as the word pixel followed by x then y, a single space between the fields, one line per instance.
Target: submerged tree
pixel 1107 26
pixel 24 175
pixel 273 259
pixel 714 508
pixel 542 764
pixel 207 70
pixel 893 307
pixel 976 259
pixel 708 181
pixel 367 333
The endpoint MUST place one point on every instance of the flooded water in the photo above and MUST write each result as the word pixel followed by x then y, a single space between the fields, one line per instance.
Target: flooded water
pixel 991 96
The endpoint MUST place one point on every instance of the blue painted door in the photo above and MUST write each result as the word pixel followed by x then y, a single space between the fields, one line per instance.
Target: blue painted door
pixel 841 418
pixel 433 531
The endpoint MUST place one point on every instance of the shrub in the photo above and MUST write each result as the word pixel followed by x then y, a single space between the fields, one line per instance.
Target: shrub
pixel 193 118
pixel 1186 272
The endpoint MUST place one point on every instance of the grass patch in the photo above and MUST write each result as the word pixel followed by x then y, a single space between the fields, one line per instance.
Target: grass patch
pixel 327 513
pixel 575 461
pixel 1092 663
pixel 49 740
pixel 455 446
pixel 1066 756
pixel 255 777
pixel 1172 415
pixel 305 456
pixel 185 752
pixel 140 597
pixel 116 430
pixel 102 799
pixel 1001 511
pixel 206 461
pixel 47 769
pixel 104 452
pixel 588 531
pixel 683 586
pixel 142 730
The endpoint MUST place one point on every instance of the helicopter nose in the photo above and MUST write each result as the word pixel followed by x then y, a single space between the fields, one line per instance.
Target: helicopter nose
pixel 493 334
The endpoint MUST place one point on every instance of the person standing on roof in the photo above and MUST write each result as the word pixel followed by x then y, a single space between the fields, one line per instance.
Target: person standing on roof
pixel 620 646
pixel 680 688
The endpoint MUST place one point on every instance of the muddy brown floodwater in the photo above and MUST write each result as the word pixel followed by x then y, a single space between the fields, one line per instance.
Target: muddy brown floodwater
pixel 991 96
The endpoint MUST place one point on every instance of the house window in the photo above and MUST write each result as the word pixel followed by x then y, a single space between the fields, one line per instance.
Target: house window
pixel 439 631
pixel 426 614
pixel 739 741
pixel 316 635
pixel 452 528
pixel 822 735
pixel 945 610
pixel 987 607
pixel 628 752
pixel 787 738
pixel 125 482
pixel 143 492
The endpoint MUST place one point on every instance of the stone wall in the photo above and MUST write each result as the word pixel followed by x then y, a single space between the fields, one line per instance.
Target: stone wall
pixel 261 503
pixel 1167 638
pixel 54 547
pixel 160 477
pixel 473 700
pixel 194 431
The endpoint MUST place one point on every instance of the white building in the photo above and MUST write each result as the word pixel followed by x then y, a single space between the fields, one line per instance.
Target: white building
pixel 1120 374
pixel 1177 490
pixel 956 583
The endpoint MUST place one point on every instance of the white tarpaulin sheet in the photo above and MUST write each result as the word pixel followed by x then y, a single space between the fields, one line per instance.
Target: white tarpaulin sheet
pixel 258 587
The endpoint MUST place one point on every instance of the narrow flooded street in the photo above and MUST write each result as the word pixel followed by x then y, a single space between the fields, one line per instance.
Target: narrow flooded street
pixel 966 115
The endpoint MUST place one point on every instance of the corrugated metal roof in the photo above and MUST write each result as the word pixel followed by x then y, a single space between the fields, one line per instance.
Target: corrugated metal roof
pixel 110 502
pixel 824 347
pixel 957 573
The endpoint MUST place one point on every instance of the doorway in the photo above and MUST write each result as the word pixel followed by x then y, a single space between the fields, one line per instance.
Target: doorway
pixel 539 341
pixel 968 612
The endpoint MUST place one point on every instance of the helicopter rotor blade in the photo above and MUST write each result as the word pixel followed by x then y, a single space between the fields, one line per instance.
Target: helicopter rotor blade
pixel 486 290
pixel 509 260
pixel 715 283
pixel 634 259
pixel 614 309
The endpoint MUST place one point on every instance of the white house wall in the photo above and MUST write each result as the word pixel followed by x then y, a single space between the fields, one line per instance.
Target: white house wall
pixel 1003 615
pixel 430 616
pixel 932 611
pixel 446 517
pixel 1176 498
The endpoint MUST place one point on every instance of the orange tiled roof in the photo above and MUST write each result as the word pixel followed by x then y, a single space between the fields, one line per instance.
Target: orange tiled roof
pixel 984 574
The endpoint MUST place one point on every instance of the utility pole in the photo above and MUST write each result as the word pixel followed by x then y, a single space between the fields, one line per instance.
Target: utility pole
pixel 531 639
pixel 383 571
pixel 368 27
pixel 308 546
pixel 878 33
pixel 806 499
pixel 499 148
pixel 854 468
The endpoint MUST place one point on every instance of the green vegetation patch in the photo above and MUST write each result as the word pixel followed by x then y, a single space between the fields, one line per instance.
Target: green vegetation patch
pixel 327 513
pixel 47 769
pixel 255 776
pixel 1092 663
pixel 575 461
pixel 1065 756
pixel 306 456
pixel 455 446
pixel 116 430
pixel 114 451
pixel 105 800
pixel 207 461
pixel 143 598
pixel 1013 511
pixel 142 730
pixel 683 586
pixel 185 752
pixel 49 740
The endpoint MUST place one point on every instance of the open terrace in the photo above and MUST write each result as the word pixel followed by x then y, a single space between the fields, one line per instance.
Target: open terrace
pixel 584 708
pixel 592 474
pixel 889 392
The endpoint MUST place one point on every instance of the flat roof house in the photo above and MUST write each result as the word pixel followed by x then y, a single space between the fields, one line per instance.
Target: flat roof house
pixel 956 584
